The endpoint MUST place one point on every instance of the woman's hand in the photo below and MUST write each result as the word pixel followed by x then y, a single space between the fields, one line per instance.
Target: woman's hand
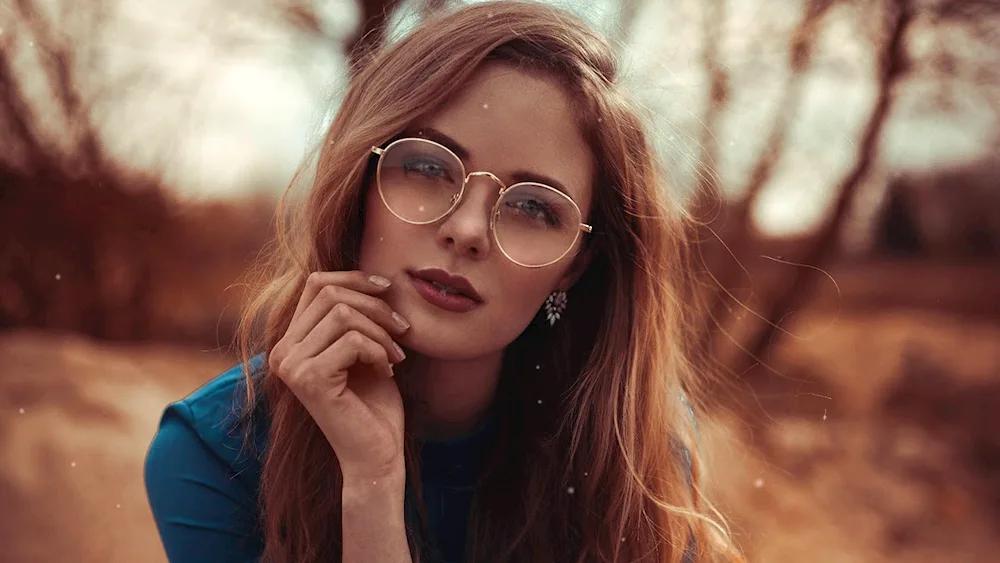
pixel 337 357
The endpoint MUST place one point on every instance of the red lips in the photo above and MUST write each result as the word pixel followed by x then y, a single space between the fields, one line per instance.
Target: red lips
pixel 458 284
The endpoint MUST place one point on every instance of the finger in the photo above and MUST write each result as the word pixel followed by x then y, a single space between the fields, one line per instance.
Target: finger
pixel 337 322
pixel 353 348
pixel 325 374
pixel 356 280
pixel 372 307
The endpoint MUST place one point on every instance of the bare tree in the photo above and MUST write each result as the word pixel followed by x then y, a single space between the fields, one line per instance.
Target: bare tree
pixel 734 223
pixel 63 194
pixel 58 66
pixel 374 16
pixel 893 64
pixel 730 240
pixel 718 97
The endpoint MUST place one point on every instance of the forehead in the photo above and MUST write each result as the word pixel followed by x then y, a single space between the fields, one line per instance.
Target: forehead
pixel 509 120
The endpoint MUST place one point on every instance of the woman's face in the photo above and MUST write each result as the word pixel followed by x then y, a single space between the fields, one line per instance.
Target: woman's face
pixel 515 125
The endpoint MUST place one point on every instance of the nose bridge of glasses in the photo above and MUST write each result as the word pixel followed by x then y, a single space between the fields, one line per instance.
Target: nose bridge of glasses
pixel 485 174
pixel 463 195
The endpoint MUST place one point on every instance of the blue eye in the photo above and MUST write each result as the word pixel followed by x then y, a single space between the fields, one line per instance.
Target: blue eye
pixel 428 168
pixel 535 210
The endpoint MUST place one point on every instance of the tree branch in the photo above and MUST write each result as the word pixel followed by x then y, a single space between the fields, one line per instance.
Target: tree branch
pixel 800 58
pixel 18 114
pixel 374 15
pixel 718 98
pixel 892 65
pixel 58 61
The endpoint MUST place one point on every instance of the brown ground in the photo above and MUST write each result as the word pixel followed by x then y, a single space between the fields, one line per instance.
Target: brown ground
pixel 75 420
pixel 880 445
pixel 881 471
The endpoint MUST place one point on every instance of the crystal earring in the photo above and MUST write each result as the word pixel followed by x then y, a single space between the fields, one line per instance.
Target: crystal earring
pixel 555 304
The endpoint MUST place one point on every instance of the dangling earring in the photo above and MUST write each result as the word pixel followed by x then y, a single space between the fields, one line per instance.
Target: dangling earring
pixel 555 304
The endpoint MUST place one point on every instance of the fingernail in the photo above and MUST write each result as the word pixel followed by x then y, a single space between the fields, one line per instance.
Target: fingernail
pixel 379 281
pixel 400 321
pixel 399 352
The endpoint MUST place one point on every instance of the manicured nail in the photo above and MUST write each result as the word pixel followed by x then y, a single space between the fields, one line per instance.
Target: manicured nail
pixel 399 352
pixel 400 321
pixel 379 281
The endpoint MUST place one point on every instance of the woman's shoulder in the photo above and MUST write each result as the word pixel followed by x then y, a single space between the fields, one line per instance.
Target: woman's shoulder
pixel 202 474
pixel 225 391
pixel 213 416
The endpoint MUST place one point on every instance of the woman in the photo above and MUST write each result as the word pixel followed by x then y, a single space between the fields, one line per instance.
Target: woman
pixel 474 329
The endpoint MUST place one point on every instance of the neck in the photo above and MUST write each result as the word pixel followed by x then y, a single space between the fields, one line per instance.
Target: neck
pixel 452 397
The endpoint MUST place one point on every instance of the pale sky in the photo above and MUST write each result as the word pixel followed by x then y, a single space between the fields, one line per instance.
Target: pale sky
pixel 238 115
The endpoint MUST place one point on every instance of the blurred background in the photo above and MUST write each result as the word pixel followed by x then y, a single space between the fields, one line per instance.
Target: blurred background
pixel 851 275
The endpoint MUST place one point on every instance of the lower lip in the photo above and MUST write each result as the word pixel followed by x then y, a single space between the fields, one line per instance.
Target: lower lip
pixel 447 301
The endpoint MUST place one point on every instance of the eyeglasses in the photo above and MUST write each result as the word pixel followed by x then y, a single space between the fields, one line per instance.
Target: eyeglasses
pixel 422 182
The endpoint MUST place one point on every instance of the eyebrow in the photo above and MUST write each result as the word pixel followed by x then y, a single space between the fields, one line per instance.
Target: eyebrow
pixel 461 152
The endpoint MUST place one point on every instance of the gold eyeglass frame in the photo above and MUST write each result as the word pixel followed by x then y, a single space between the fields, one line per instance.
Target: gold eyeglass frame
pixel 456 200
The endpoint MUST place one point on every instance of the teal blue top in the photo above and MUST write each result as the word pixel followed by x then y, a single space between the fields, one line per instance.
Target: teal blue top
pixel 203 483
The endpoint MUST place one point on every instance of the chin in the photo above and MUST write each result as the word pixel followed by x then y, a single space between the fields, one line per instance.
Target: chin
pixel 456 337
pixel 443 346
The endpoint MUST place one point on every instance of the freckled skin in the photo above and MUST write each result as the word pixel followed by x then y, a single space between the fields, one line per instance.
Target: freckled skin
pixel 508 120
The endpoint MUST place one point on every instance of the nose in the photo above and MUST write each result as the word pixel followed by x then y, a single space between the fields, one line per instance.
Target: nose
pixel 466 230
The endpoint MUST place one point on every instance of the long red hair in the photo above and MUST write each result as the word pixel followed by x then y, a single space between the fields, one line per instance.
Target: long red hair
pixel 617 430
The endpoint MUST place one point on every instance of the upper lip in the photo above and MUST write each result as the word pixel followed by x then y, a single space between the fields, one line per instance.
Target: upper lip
pixel 458 283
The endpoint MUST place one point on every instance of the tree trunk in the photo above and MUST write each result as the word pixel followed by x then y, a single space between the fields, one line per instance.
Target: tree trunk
pixel 891 66
pixel 738 224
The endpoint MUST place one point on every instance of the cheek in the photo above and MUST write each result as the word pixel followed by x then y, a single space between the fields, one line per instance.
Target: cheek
pixel 524 292
pixel 386 242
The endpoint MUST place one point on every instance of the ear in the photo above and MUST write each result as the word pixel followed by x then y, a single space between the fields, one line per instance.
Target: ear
pixel 576 269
